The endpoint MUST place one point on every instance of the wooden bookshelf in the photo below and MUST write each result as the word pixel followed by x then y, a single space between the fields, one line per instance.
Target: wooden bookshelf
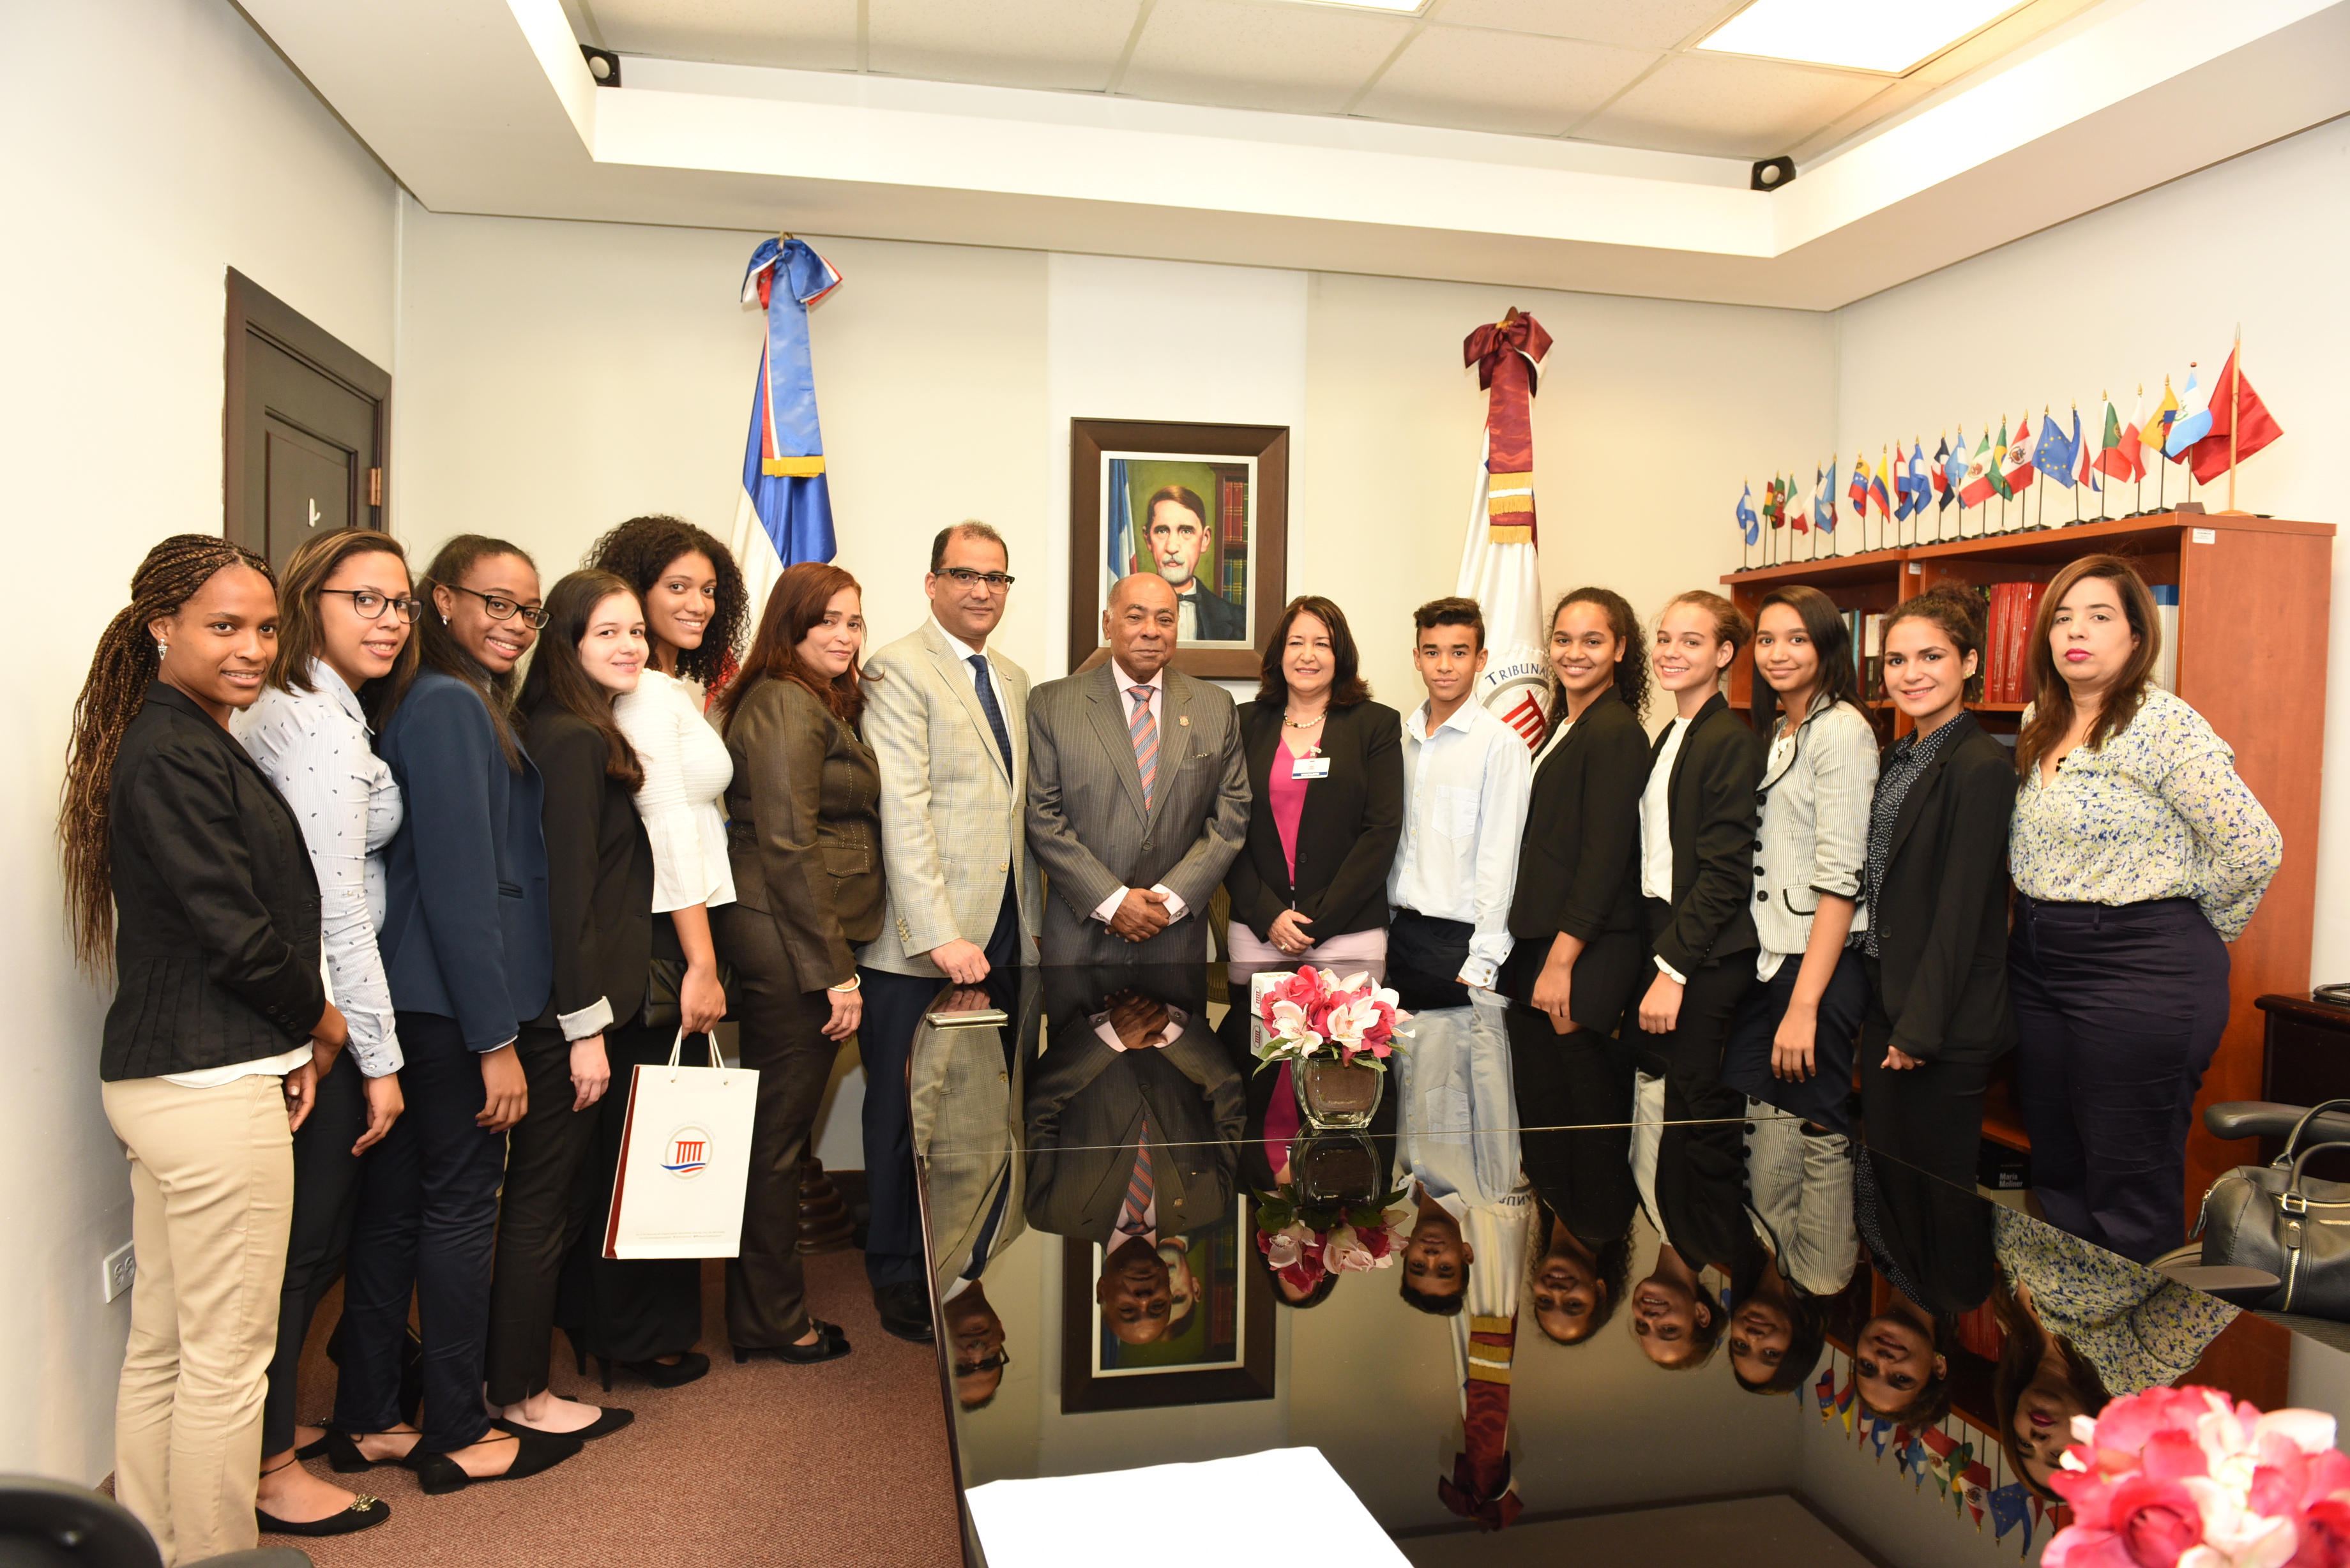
pixel 2254 595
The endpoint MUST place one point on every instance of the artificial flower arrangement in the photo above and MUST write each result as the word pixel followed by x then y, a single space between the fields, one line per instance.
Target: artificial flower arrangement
pixel 2180 1478
pixel 1312 1014
pixel 1305 1241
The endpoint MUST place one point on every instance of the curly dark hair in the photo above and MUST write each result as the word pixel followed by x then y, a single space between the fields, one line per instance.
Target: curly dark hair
pixel 1631 670
pixel 640 550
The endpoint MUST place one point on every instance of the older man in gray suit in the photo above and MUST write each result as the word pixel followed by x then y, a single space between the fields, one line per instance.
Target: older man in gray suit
pixel 947 720
pixel 1137 793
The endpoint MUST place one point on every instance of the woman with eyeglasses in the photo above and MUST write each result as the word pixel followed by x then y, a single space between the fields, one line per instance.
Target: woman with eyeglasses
pixel 344 634
pixel 466 949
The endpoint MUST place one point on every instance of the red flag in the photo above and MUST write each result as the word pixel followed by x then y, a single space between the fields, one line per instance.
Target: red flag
pixel 2234 405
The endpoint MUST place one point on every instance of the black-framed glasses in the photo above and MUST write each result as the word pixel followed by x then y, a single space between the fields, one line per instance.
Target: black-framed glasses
pixel 964 577
pixel 503 608
pixel 371 604
pixel 996 1363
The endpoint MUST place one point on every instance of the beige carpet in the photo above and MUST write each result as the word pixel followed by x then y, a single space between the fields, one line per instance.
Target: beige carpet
pixel 811 1467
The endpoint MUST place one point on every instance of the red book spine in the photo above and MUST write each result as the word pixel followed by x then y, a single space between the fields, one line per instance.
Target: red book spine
pixel 1995 647
pixel 2026 621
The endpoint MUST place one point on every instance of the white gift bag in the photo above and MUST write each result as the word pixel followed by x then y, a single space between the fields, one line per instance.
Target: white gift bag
pixel 685 1159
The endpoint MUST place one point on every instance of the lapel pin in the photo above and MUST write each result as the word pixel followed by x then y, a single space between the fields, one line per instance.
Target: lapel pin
pixel 1184 720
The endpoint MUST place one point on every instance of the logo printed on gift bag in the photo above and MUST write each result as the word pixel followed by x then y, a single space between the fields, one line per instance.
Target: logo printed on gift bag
pixel 688 1154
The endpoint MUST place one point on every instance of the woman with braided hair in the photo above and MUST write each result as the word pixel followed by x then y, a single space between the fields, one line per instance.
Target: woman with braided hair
pixel 182 857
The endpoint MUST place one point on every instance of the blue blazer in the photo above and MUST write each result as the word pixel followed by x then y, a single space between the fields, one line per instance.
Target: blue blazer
pixel 465 922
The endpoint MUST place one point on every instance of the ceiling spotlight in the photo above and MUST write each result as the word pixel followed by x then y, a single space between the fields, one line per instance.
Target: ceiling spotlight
pixel 1771 173
pixel 602 64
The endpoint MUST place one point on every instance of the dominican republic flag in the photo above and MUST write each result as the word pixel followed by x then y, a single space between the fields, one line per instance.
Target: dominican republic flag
pixel 1498 565
pixel 784 515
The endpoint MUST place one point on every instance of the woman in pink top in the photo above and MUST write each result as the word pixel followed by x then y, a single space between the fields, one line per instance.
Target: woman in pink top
pixel 1326 812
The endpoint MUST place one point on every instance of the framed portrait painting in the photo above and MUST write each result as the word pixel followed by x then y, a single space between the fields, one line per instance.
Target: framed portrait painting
pixel 1206 507
pixel 1209 1316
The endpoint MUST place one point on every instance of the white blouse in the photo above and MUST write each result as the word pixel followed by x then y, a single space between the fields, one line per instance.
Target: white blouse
pixel 687 770
pixel 316 748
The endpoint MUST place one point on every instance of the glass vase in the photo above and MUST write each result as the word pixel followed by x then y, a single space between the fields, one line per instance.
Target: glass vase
pixel 1332 1094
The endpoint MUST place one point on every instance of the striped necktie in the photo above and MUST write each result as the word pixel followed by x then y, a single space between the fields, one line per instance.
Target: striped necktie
pixel 1134 1215
pixel 1145 731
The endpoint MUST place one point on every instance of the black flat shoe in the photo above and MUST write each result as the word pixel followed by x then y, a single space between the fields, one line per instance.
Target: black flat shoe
pixel 437 1475
pixel 831 1345
pixel 660 1373
pixel 343 1453
pixel 365 1513
pixel 608 1422
pixel 313 1450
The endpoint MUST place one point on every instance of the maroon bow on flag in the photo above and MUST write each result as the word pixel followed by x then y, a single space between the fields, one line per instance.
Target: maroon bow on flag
pixel 1479 1488
pixel 1507 354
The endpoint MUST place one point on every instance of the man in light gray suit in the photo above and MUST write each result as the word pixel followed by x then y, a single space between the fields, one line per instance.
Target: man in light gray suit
pixel 948 724
pixel 1137 793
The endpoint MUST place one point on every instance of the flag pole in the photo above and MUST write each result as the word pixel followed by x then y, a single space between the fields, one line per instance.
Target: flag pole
pixel 2075 461
pixel 1884 470
pixel 2235 412
pixel 2107 399
pixel 2138 462
pixel 2041 521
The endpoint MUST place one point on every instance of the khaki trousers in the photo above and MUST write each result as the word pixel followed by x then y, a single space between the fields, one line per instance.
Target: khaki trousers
pixel 212 1200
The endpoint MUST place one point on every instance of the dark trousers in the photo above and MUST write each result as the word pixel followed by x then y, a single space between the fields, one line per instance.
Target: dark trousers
pixel 2117 1012
pixel 549 1168
pixel 781 1040
pixel 1693 1047
pixel 326 1198
pixel 629 1309
pixel 1825 1098
pixel 1928 1118
pixel 894 1006
pixel 1425 955
pixel 427 1215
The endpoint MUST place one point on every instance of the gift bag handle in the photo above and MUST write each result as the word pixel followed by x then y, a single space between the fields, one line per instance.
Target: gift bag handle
pixel 677 1054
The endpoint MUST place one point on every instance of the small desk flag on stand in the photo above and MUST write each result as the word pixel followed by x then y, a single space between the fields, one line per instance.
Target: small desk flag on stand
pixel 785 514
pixel 2235 409
pixel 1498 565
pixel 1750 527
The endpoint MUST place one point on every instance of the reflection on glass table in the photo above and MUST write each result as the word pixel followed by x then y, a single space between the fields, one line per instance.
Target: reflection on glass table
pixel 1556 1276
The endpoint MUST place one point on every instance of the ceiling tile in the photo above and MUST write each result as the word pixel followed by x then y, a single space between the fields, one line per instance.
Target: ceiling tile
pixel 1727 106
pixel 1635 23
pixel 1005 43
pixel 1471 80
pixel 1306 60
pixel 803 35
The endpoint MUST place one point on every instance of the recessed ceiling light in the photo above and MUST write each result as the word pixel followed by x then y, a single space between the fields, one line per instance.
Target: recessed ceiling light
pixel 1886 36
pixel 1406 7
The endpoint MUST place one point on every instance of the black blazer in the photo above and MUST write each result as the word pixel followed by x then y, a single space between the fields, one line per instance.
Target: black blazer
pixel 1941 918
pixel 464 932
pixel 599 870
pixel 1714 813
pixel 1579 862
pixel 1347 836
pixel 1935 1237
pixel 217 931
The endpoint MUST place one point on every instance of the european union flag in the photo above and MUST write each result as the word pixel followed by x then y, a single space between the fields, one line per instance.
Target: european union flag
pixel 2053 453
pixel 1750 527
pixel 2010 1508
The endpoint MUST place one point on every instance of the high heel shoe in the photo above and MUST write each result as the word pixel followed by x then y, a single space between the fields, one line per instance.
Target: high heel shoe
pixel 831 1345
pixel 344 1455
pixel 660 1375
pixel 438 1475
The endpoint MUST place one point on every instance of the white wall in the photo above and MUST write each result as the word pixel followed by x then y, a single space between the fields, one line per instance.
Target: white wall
pixel 2124 296
pixel 152 145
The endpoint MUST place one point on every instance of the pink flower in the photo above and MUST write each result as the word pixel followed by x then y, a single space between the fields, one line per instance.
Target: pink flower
pixel 1343 1252
pixel 1284 1247
pixel 2323 1535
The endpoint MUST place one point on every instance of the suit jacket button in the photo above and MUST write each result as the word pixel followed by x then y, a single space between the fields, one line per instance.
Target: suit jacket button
pixel 1758 870
pixel 1762 897
pixel 1147 844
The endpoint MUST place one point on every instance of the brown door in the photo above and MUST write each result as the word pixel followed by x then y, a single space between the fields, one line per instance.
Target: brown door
pixel 305 428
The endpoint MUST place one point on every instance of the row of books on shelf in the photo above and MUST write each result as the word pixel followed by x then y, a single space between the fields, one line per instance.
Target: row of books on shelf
pixel 2003 675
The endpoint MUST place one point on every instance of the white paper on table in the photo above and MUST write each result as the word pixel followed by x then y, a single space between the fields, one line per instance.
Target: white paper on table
pixel 1255 1502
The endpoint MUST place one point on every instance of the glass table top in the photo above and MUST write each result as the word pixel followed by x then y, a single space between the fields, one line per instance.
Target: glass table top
pixel 1550 1273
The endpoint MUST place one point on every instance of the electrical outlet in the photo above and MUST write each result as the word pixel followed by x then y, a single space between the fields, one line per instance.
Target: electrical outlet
pixel 119 1268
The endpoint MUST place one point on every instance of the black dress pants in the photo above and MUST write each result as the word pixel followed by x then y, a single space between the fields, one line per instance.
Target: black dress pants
pixel 894 1006
pixel 2117 1012
pixel 427 1221
pixel 549 1169
pixel 630 1309
pixel 1928 1118
pixel 780 1034
pixel 326 1199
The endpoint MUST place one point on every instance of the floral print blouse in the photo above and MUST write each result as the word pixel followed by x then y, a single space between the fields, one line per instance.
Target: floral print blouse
pixel 2139 1330
pixel 2156 812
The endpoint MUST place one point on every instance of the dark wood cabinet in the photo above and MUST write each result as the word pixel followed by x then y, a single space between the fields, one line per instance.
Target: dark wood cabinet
pixel 2308 1061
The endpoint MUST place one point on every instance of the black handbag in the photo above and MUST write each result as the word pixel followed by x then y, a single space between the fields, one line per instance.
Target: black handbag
pixel 664 980
pixel 2274 1219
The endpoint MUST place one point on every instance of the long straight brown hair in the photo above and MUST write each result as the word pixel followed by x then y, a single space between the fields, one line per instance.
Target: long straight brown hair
pixel 795 606
pixel 556 675
pixel 300 631
pixel 2052 698
pixel 1831 644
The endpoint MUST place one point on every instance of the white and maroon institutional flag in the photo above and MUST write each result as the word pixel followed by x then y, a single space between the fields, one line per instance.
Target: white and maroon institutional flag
pixel 1498 565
